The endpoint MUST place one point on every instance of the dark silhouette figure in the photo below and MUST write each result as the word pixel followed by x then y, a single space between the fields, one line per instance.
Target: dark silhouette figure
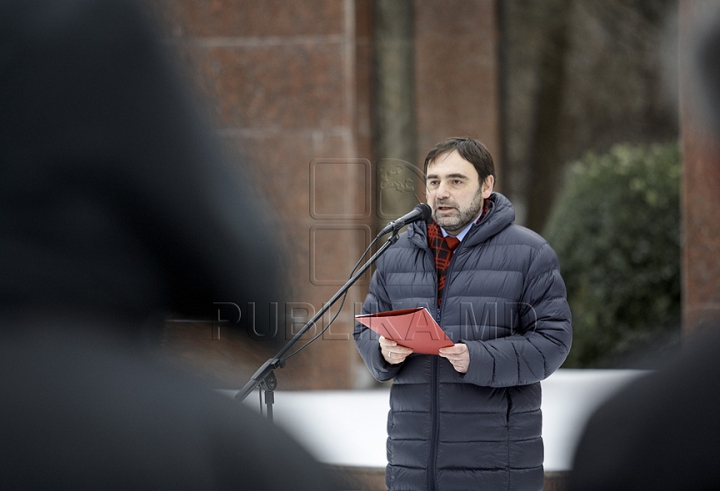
pixel 117 207
pixel 661 432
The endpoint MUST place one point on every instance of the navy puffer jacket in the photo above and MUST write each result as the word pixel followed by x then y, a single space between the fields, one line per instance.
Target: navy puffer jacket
pixel 505 299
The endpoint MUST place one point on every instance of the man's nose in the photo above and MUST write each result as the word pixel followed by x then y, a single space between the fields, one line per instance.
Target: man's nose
pixel 442 191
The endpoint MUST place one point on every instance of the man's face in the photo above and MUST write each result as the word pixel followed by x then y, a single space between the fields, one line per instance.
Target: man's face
pixel 454 191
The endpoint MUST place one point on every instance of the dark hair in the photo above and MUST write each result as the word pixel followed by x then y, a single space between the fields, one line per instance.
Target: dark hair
pixel 471 150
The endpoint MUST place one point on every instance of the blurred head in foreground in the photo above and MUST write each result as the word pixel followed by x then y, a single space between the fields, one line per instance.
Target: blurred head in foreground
pixel 116 207
pixel 115 202
pixel 662 431
pixel 705 66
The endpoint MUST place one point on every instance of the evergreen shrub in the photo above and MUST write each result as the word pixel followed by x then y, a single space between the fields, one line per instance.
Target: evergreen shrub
pixel 616 229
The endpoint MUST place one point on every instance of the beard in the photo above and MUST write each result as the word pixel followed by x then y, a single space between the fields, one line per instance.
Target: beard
pixel 459 219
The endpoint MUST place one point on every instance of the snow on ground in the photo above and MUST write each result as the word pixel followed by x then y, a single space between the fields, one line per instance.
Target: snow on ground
pixel 348 428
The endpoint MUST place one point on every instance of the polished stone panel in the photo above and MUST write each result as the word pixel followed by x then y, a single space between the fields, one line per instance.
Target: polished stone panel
pixel 282 91
pixel 701 188
pixel 457 72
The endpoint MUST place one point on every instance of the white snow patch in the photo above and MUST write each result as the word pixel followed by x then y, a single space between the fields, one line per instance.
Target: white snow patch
pixel 348 428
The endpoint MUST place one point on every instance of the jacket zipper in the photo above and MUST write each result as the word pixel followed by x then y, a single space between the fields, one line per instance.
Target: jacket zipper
pixel 434 403
pixel 434 435
pixel 432 471
pixel 434 383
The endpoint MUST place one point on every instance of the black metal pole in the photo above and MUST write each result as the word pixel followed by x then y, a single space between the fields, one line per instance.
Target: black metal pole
pixel 265 375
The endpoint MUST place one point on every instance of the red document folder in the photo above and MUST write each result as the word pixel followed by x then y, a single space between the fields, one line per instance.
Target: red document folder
pixel 414 328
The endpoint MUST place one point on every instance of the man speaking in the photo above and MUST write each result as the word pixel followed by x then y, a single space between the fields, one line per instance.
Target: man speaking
pixel 469 418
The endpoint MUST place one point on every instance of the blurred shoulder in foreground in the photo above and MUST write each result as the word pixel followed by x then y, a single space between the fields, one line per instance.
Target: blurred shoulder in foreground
pixel 660 432
pixel 117 207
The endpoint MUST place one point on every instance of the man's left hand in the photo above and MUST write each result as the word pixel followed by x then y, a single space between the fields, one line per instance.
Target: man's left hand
pixel 458 355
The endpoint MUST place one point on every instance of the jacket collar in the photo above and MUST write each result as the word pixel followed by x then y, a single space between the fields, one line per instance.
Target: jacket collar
pixel 500 216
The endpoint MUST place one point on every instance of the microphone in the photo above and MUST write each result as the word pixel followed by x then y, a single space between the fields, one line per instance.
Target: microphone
pixel 420 212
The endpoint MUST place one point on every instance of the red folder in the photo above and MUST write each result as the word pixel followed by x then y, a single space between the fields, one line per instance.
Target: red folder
pixel 414 328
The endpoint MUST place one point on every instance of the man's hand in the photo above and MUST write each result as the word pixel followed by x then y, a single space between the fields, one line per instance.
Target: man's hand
pixel 458 355
pixel 393 352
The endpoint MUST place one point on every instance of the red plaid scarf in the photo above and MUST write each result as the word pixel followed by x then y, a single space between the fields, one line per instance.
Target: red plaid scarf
pixel 443 247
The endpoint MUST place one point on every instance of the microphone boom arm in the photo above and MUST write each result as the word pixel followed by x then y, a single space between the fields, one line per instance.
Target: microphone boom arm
pixel 265 376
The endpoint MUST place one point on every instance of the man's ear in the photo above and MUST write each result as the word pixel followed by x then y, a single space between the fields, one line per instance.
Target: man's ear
pixel 487 186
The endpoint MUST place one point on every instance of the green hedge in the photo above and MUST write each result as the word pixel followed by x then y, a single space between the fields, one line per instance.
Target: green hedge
pixel 616 229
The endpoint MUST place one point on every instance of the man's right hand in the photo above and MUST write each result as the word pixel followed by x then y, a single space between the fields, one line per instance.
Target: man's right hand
pixel 393 352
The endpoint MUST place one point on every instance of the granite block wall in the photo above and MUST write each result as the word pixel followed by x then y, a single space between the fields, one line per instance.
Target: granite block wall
pixel 288 87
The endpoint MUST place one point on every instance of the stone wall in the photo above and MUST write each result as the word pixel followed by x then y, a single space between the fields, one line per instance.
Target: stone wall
pixel 701 186
pixel 289 85
pixel 287 88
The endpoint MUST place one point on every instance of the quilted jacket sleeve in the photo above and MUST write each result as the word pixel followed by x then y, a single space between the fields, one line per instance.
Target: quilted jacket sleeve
pixel 540 344
pixel 367 340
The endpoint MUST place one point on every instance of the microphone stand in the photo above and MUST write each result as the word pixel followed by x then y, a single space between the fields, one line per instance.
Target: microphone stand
pixel 265 375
